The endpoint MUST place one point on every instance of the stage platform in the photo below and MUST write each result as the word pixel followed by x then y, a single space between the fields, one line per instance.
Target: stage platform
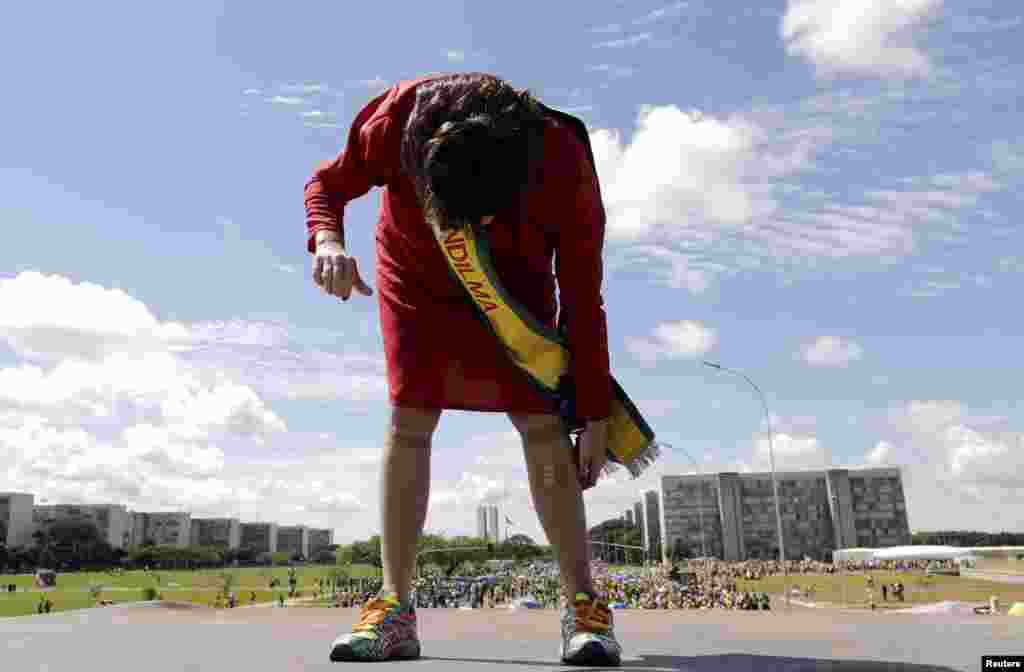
pixel 161 639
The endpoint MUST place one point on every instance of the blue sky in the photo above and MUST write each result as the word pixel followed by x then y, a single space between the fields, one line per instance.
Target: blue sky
pixel 822 195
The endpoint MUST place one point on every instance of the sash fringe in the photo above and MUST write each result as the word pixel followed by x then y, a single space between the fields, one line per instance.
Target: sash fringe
pixel 639 463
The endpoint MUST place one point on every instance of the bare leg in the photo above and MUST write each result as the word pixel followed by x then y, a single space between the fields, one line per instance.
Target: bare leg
pixel 405 493
pixel 557 497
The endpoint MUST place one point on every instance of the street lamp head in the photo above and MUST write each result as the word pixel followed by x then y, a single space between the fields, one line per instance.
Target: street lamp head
pixel 712 364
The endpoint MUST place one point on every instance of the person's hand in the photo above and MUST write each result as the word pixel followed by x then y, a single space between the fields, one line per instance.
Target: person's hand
pixel 593 446
pixel 335 272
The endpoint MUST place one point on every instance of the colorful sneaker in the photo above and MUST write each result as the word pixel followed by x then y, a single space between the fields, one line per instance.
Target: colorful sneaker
pixel 385 631
pixel 588 633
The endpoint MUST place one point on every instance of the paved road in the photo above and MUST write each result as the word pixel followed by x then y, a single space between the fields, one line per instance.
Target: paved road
pixel 161 639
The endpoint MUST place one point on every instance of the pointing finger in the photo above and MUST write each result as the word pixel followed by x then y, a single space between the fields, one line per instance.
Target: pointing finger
pixel 345 279
pixel 360 284
pixel 318 270
pixel 329 272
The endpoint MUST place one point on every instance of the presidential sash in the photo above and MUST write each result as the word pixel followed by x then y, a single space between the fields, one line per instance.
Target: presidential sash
pixel 541 353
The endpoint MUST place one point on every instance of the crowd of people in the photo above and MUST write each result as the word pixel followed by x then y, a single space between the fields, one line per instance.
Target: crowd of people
pixel 704 584
pixel 538 586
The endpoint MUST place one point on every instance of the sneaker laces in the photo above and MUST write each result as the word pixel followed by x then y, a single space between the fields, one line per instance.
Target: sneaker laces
pixel 591 615
pixel 374 613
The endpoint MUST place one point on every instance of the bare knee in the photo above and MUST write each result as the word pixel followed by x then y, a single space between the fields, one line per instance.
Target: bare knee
pixel 546 448
pixel 537 428
pixel 412 422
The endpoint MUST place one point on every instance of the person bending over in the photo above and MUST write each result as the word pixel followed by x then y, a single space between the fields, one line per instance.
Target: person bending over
pixel 450 152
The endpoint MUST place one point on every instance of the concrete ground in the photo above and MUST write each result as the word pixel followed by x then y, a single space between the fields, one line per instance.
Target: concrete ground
pixel 160 639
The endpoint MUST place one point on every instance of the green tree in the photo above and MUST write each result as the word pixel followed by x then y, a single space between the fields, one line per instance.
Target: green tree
pixel 246 555
pixel 367 552
pixel 324 557
pixel 343 556
pixel 76 541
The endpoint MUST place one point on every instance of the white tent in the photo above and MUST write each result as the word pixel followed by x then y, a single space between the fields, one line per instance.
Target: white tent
pixel 853 554
pixel 920 553
pixel 926 553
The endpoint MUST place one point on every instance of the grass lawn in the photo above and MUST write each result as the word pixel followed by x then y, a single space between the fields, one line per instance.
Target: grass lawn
pixel 918 589
pixel 72 591
pixel 1001 566
pixel 22 604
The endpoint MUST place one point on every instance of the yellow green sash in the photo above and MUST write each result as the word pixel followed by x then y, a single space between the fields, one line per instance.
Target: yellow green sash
pixel 541 353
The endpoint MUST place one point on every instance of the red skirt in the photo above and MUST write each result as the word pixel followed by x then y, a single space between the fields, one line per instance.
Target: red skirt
pixel 439 354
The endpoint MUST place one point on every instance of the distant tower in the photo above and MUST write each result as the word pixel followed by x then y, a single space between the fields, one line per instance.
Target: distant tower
pixel 481 522
pixel 492 524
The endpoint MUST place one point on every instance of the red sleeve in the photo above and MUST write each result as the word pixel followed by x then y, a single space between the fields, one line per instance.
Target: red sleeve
pixel 371 158
pixel 579 270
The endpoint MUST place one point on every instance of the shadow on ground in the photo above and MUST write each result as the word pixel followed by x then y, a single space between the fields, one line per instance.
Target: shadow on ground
pixel 730 663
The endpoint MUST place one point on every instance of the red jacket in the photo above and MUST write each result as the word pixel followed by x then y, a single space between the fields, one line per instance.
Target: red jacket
pixel 562 217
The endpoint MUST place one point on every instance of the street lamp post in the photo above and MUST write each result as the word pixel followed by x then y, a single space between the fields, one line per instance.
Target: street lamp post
pixel 700 505
pixel 771 458
pixel 839 537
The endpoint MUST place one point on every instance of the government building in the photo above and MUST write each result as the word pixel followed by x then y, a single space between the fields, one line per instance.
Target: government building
pixel 731 516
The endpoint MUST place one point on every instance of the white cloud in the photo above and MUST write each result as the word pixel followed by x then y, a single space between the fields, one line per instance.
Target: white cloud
pixel 237 332
pixel 107 403
pixel 173 455
pixel 880 454
pixel 792 453
pixel 608 28
pixel 128 388
pixel 831 351
pixel 712 205
pixel 675 9
pixel 50 320
pixel 494 473
pixel 929 417
pixel 613 71
pixel 377 83
pixel 1008 158
pixel 678 270
pixel 631 41
pixel 959 471
pixel 305 89
pixel 48 317
pixel 975 457
pixel 867 37
pixel 934 200
pixel 283 362
pixel 678 164
pixel 455 56
pixel 740 193
pixel 1011 265
pixel 336 503
pixel 673 340
pixel 149 467
pixel 287 100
